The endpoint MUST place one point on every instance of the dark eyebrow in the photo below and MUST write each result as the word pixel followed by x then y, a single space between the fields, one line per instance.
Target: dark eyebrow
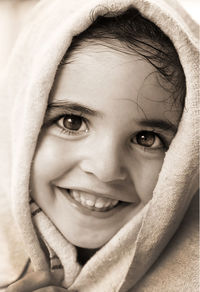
pixel 73 107
pixel 61 108
pixel 159 124
pixel 54 109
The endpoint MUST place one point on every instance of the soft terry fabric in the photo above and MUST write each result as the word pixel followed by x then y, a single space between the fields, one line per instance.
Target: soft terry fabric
pixel 122 263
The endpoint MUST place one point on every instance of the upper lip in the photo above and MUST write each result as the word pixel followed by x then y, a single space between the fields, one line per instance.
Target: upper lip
pixel 101 193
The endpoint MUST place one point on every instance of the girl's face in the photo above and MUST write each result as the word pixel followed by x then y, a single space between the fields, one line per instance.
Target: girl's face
pixel 109 123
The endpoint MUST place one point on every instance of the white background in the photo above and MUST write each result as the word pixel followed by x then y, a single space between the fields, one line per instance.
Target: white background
pixel 193 7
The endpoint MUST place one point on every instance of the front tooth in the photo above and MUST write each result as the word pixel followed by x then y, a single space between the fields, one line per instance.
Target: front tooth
pixel 100 203
pixel 76 195
pixel 90 203
pixel 109 203
pixel 90 199
pixel 83 200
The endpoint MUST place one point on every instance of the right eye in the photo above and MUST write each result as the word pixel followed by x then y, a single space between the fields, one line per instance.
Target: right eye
pixel 148 139
pixel 73 125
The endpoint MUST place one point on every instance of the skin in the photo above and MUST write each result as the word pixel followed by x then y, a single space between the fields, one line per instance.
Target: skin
pixel 105 155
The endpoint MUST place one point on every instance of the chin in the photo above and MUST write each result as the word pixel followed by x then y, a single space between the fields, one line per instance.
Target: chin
pixel 88 242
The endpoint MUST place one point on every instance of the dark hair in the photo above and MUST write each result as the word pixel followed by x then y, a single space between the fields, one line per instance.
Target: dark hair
pixel 139 35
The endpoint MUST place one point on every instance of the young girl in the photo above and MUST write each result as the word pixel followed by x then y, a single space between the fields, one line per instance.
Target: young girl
pixel 104 148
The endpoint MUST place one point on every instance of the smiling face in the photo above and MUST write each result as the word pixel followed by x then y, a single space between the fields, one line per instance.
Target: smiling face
pixel 107 128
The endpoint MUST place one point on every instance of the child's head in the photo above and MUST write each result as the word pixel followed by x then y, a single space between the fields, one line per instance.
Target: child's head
pixel 113 112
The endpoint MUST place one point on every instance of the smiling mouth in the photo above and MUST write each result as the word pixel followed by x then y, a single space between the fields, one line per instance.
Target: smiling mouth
pixel 92 202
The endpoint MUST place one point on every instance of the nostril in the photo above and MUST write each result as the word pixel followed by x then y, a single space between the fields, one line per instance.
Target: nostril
pixel 104 172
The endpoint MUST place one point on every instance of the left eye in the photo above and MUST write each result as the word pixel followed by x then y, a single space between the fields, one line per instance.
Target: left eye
pixel 148 139
pixel 73 123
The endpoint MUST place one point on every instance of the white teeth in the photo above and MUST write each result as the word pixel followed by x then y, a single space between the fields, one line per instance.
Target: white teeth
pixel 100 203
pixel 82 201
pixel 107 204
pixel 76 196
pixel 93 202
pixel 114 202
pixel 90 203
pixel 86 199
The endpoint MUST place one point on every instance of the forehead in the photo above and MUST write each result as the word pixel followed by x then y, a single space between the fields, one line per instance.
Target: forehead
pixel 100 76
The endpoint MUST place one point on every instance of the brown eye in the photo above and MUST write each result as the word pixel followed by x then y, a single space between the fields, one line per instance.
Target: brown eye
pixel 72 122
pixel 73 125
pixel 146 139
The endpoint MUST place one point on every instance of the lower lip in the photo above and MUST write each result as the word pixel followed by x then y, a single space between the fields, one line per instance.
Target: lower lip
pixel 88 212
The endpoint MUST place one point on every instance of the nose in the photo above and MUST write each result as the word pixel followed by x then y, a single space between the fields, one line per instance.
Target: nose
pixel 105 161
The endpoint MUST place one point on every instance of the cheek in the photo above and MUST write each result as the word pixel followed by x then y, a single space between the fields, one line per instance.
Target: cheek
pixel 146 176
pixel 53 158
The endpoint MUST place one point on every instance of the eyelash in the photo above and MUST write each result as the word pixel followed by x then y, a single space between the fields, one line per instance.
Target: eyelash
pixel 164 144
pixel 65 131
pixel 69 132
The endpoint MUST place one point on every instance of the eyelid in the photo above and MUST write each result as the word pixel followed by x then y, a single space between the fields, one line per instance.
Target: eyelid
pixel 65 132
pixel 158 135
pixel 162 137
pixel 84 120
pixel 54 114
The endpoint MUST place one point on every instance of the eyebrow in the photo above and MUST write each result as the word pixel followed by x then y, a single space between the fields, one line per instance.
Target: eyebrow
pixel 159 124
pixel 62 106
